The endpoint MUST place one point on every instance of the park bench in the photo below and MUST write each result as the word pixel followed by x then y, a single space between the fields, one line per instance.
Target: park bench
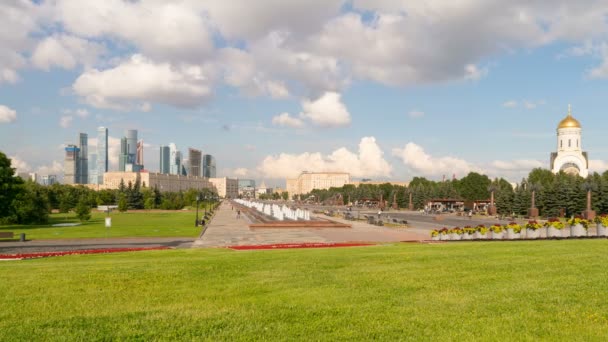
pixel 380 223
pixel 6 235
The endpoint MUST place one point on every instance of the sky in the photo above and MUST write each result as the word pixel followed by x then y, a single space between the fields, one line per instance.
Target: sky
pixel 384 89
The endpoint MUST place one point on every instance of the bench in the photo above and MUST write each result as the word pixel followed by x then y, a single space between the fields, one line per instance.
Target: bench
pixel 6 235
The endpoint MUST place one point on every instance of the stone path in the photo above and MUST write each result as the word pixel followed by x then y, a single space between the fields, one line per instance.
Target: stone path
pixel 226 230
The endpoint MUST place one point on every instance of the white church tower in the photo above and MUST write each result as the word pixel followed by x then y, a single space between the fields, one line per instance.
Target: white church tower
pixel 569 157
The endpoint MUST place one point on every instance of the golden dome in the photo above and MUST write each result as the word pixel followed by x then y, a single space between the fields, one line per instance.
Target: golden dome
pixel 569 121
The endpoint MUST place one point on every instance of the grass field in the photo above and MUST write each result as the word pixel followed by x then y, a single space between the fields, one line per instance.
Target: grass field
pixel 128 224
pixel 531 290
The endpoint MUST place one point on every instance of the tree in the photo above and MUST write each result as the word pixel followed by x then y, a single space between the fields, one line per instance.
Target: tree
pixel 285 195
pixel 31 205
pixel 10 186
pixel 83 209
pixel 122 203
pixel 474 187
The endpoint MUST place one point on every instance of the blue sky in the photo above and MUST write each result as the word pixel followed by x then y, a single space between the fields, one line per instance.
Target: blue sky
pixel 399 91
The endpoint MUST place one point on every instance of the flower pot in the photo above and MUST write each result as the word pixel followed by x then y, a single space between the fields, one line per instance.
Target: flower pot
pixel 497 236
pixel 435 238
pixel 512 235
pixel 444 237
pixel 467 236
pixel 478 235
pixel 532 233
pixel 554 232
pixel 454 236
pixel 602 230
pixel 578 230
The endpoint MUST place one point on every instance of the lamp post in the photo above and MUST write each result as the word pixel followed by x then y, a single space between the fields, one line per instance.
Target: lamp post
pixel 198 198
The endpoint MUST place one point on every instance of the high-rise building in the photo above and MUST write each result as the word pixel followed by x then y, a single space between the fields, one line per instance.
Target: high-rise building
pixel 71 163
pixel 131 146
pixel 123 157
pixel 139 159
pixel 165 158
pixel 83 159
pixel 93 179
pixel 175 160
pixel 195 159
pixel 48 180
pixel 209 167
pixel 102 153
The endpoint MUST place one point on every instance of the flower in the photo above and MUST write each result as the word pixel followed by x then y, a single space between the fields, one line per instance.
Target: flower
pixel 602 219
pixel 481 229
pixel 554 223
pixel 532 224
pixel 496 228
pixel 443 231
pixel 515 226
pixel 435 232
pixel 458 230
pixel 468 230
pixel 576 220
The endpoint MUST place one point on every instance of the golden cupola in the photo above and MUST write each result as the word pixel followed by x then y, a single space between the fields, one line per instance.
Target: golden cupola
pixel 569 121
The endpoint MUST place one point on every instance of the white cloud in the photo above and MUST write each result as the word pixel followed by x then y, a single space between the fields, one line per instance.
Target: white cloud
pixel 250 147
pixel 415 158
pixel 19 19
pixel 326 111
pixel 65 51
pixel 368 162
pixel 284 119
pixel 135 83
pixel 473 73
pixel 415 114
pixel 240 172
pixel 516 165
pixel 510 104
pixel 19 165
pixel 54 168
pixel 65 121
pixel 7 115
pixel 596 165
pixel 529 105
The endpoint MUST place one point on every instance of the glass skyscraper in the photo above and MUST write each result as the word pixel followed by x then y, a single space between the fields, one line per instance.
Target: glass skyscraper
pixel 102 153
pixel 209 167
pixel 165 158
pixel 83 160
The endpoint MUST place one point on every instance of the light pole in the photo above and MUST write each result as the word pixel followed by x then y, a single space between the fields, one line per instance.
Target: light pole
pixel 198 198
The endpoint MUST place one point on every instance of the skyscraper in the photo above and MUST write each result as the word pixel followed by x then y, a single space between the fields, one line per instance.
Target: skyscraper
pixel 209 166
pixel 194 156
pixel 123 157
pixel 83 160
pixel 93 179
pixel 139 158
pixel 131 146
pixel 175 160
pixel 165 158
pixel 71 163
pixel 102 153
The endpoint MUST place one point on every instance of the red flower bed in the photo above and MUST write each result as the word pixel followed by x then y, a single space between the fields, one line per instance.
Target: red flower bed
pixel 82 251
pixel 298 245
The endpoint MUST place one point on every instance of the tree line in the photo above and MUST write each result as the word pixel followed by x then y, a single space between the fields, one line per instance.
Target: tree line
pixel 555 194
pixel 26 202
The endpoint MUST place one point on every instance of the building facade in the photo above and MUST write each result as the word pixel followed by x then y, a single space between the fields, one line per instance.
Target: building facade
pixel 93 177
pixel 83 159
pixel 175 160
pixel 308 181
pixel 71 164
pixel 165 158
pixel 226 187
pixel 570 156
pixel 195 160
pixel 48 180
pixel 163 182
pixel 209 166
pixel 123 156
pixel 102 153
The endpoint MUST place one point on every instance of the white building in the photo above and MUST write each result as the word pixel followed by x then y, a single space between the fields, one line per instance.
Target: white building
pixel 570 157
pixel 226 187
pixel 308 181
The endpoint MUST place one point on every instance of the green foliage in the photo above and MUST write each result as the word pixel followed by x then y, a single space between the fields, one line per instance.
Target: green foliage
pixel 122 203
pixel 31 205
pixel 83 210
pixel 10 186
pixel 474 187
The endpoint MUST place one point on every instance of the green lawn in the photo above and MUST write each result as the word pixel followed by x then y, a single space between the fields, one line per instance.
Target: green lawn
pixel 530 290
pixel 128 224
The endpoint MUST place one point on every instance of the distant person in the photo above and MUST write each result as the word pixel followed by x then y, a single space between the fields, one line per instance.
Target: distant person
pixel 470 214
pixel 379 213
pixel 238 214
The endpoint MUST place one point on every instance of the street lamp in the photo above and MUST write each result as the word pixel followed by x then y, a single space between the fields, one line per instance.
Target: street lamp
pixel 198 198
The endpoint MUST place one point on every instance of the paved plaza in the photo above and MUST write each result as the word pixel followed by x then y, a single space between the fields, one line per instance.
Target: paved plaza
pixel 227 230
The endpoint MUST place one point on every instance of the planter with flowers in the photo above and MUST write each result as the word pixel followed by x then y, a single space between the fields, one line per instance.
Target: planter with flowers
pixel 578 226
pixel 443 234
pixel 456 234
pixel 481 232
pixel 513 231
pixel 533 229
pixel 555 227
pixel 468 233
pixel 602 225
pixel 435 235
pixel 498 231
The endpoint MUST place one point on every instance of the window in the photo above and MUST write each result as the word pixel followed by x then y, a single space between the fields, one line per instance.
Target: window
pixel 569 143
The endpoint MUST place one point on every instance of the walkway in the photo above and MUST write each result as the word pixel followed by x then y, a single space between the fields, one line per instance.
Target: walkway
pixel 226 230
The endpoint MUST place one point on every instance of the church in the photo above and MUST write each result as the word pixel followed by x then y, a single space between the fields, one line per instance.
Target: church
pixel 569 157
